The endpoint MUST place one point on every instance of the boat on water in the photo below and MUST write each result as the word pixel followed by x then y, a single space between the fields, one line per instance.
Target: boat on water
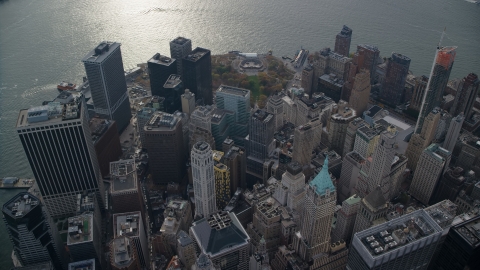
pixel 66 86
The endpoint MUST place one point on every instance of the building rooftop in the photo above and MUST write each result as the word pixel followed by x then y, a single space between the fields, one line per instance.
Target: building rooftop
pixel 332 78
pixel 269 208
pixel 173 81
pixel 162 121
pixel 356 156
pixel 375 200
pixel 184 239
pixel 443 213
pixel 98 126
pixel 101 52
pixel 369 47
pixel 323 182
pixel 201 145
pixel 196 54
pixel 180 40
pixel 233 90
pixel 372 112
pixel 161 60
pixel 346 31
pixel 220 233
pixel 126 224
pixel 80 229
pixel 122 252
pixel 469 231
pixel 53 112
pixel 123 175
pixel 353 199
pixel 263 116
pixel 82 265
pixel 20 205
pixel 219 114
pixel 381 241
pixel 437 152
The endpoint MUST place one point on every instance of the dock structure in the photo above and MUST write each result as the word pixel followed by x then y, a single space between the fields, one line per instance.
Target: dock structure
pixel 15 182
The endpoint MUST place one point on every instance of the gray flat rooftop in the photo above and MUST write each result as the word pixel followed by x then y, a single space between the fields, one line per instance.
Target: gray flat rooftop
pixel 53 112
pixel 172 81
pixel 80 229
pixel 162 121
pixel 122 250
pixel 126 224
pixel 101 52
pixel 196 54
pixel 123 175
pixel 180 40
pixel 20 205
pixel 161 60
pixel 233 90
pixel 82 265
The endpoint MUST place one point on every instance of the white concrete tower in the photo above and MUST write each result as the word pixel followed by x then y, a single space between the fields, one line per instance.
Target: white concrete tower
pixel 203 179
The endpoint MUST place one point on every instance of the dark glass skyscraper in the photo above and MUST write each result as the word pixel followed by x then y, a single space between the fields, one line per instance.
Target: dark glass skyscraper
pixel 57 141
pixel 160 67
pixel 466 93
pixel 438 81
pixel 260 141
pixel 173 90
pixel 34 237
pixel 366 57
pixel 393 88
pixel 343 40
pixel 106 76
pixel 179 48
pixel 197 75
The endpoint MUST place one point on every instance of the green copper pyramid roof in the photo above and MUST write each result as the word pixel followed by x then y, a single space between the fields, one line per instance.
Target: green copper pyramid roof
pixel 322 181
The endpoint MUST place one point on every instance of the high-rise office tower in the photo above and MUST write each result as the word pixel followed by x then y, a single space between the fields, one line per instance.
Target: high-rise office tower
pixel 222 180
pixel 84 239
pixel 469 157
pixel 188 102
pixel 346 219
pixel 308 79
pixel 259 259
pixel 351 166
pixel 360 94
pixel 442 66
pixel 201 117
pixel 260 141
pixel 450 185
pixel 197 75
pixel 186 249
pixel 237 100
pixel 461 249
pixel 173 90
pixel 366 139
pixel 131 226
pixel 343 40
pixel 235 158
pixel 160 67
pixel 406 242
pixel 124 188
pixel 123 254
pixel 275 106
pixel 34 237
pixel 166 158
pixel 329 62
pixel 59 148
pixel 106 142
pixel 366 57
pixel 393 87
pixel 432 164
pixel 467 91
pixel 223 126
pixel 203 179
pixel 291 192
pixel 351 134
pixel 320 200
pixel 222 227
pixel 331 86
pixel 338 124
pixel 418 93
pixel 453 132
pixel 304 144
pixel 443 124
pixel 106 76
pixel 372 210
pixel 179 48
pixel 143 116
pixel 203 263
pixel 418 142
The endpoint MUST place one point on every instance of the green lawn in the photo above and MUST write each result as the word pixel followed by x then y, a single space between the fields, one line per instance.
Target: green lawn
pixel 254 86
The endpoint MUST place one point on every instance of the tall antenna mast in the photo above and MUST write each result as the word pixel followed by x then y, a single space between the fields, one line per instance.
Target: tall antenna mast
pixel 427 88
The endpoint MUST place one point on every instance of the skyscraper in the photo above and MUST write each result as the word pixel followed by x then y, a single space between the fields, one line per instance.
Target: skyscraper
pixel 320 201
pixel 166 155
pixel 237 100
pixel 130 225
pixel 203 179
pixel 351 166
pixel 360 94
pixel 58 144
pixel 106 76
pixel 372 210
pixel 260 141
pixel 338 124
pixel 308 79
pixel 432 164
pixel 173 90
pixel 343 40
pixel 124 187
pixel 275 107
pixel 123 255
pixel 186 249
pixel 467 91
pixel 197 75
pixel 418 142
pixel 188 102
pixel 222 180
pixel 34 237
pixel 393 88
pixel 453 132
pixel 418 93
pixel 406 242
pixel 304 144
pixel 450 185
pixel 366 57
pixel 346 219
pixel 106 142
pixel 160 67
pixel 291 191
pixel 84 239
pixel 179 48
pixel 442 66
